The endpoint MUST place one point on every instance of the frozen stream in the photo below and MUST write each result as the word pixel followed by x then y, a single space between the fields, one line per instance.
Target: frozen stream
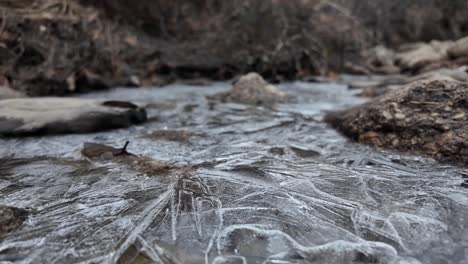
pixel 278 186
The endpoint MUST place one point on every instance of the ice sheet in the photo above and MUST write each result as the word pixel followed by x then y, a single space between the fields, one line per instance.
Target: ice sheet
pixel 283 188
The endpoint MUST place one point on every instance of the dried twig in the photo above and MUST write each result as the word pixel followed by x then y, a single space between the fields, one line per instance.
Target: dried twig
pixel 123 151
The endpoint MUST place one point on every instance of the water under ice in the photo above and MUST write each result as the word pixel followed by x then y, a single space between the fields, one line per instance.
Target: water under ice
pixel 282 188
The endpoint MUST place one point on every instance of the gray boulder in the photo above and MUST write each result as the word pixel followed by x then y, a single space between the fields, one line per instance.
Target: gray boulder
pixel 251 89
pixel 39 116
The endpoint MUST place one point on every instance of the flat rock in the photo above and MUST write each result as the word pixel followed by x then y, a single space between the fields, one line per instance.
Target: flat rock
pixel 39 116
pixel 251 89
pixel 10 219
pixel 429 117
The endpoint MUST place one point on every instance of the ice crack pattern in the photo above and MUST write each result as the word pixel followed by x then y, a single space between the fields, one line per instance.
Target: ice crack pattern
pixel 267 185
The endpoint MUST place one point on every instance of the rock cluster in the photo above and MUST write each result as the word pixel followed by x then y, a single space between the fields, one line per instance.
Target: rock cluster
pixel 429 117
pixel 436 60
pixel 416 58
pixel 373 88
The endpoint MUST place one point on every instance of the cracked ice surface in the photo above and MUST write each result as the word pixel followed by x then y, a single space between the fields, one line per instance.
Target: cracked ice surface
pixel 282 188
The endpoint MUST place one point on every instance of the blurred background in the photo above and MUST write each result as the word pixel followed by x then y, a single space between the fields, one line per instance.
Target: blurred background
pixel 58 46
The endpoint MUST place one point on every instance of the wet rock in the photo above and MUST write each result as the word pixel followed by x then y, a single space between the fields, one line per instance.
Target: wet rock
pixel 38 116
pixel 10 219
pixel 251 89
pixel 141 164
pixel 428 117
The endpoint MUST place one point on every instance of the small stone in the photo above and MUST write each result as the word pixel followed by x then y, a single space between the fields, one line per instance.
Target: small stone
pixel 135 80
pixel 459 116
pixel 387 115
pixel 446 127
pixel 400 116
